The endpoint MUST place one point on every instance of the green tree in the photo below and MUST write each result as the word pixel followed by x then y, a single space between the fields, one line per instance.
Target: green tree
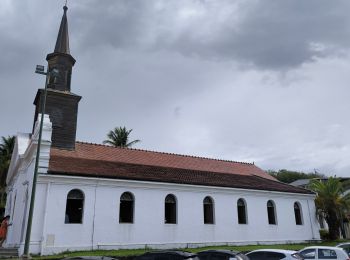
pixel 287 176
pixel 6 149
pixel 332 204
pixel 119 137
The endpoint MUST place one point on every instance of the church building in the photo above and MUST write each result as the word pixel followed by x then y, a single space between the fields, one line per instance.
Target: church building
pixel 92 196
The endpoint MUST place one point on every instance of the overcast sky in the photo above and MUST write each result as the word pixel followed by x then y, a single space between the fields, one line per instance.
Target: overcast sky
pixel 264 81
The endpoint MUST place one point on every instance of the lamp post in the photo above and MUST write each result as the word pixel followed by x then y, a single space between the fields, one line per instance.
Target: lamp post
pixel 40 69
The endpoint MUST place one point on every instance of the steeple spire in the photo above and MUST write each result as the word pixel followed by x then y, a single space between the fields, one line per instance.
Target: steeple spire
pixel 62 43
pixel 61 59
pixel 61 103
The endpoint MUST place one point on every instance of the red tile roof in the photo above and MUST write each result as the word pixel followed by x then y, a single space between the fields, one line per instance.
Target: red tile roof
pixel 124 163
pixel 136 156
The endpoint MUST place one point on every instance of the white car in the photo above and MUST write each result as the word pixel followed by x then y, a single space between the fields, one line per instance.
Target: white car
pixel 345 246
pixel 273 254
pixel 324 253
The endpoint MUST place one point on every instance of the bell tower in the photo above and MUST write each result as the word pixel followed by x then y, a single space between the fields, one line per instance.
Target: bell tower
pixel 61 103
pixel 60 59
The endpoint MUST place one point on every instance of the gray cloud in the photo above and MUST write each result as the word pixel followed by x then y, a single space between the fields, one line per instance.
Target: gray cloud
pixel 264 81
pixel 268 34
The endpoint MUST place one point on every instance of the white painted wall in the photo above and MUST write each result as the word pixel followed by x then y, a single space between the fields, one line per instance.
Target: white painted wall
pixel 101 227
pixel 19 184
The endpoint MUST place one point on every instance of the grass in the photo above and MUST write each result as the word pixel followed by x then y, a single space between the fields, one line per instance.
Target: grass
pixel 135 252
pixel 112 253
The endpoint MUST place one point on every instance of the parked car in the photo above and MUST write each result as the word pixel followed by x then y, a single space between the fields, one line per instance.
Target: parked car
pixel 274 254
pixel 324 252
pixel 167 255
pixel 221 255
pixel 345 246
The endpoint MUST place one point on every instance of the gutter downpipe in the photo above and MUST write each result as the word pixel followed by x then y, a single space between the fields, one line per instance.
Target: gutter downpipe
pixel 93 220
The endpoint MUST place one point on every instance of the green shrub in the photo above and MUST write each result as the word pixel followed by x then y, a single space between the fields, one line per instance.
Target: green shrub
pixel 324 234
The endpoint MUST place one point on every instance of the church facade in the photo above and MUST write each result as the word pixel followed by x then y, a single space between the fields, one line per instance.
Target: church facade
pixel 92 196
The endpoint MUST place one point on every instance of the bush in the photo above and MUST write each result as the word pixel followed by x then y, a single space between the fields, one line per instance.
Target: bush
pixel 324 234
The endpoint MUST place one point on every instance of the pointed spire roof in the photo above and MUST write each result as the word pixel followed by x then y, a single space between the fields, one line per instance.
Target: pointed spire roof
pixel 62 43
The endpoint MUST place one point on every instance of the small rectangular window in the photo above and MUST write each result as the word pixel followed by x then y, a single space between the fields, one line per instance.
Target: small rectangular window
pixel 274 256
pixel 326 254
pixel 308 253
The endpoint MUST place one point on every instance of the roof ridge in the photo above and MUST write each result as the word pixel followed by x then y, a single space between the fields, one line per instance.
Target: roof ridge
pixel 168 153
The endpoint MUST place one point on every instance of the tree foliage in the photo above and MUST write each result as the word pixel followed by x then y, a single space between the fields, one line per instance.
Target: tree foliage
pixel 332 203
pixel 6 148
pixel 119 137
pixel 290 176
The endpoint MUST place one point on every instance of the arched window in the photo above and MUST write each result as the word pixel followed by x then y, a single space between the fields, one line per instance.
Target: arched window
pixel 271 212
pixel 74 207
pixel 297 214
pixel 208 210
pixel 170 209
pixel 242 211
pixel 126 208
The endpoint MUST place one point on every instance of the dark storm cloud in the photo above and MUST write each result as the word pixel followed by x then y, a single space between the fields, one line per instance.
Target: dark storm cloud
pixel 269 34
pixel 172 71
pixel 121 24
pixel 277 34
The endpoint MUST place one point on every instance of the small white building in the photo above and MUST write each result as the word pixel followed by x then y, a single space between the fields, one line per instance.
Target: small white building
pixel 93 196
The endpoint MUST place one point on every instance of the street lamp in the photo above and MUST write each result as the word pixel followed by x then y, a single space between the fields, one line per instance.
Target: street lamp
pixel 40 69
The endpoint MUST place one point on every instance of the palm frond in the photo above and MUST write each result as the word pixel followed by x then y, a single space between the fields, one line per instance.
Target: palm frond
pixel 132 143
pixel 119 137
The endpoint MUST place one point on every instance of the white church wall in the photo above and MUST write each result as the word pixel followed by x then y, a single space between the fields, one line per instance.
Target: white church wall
pixel 101 227
pixel 19 185
pixel 15 207
pixel 38 218
pixel 57 233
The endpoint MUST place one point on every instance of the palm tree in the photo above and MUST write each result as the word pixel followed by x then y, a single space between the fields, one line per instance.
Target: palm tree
pixel 6 149
pixel 331 203
pixel 119 137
